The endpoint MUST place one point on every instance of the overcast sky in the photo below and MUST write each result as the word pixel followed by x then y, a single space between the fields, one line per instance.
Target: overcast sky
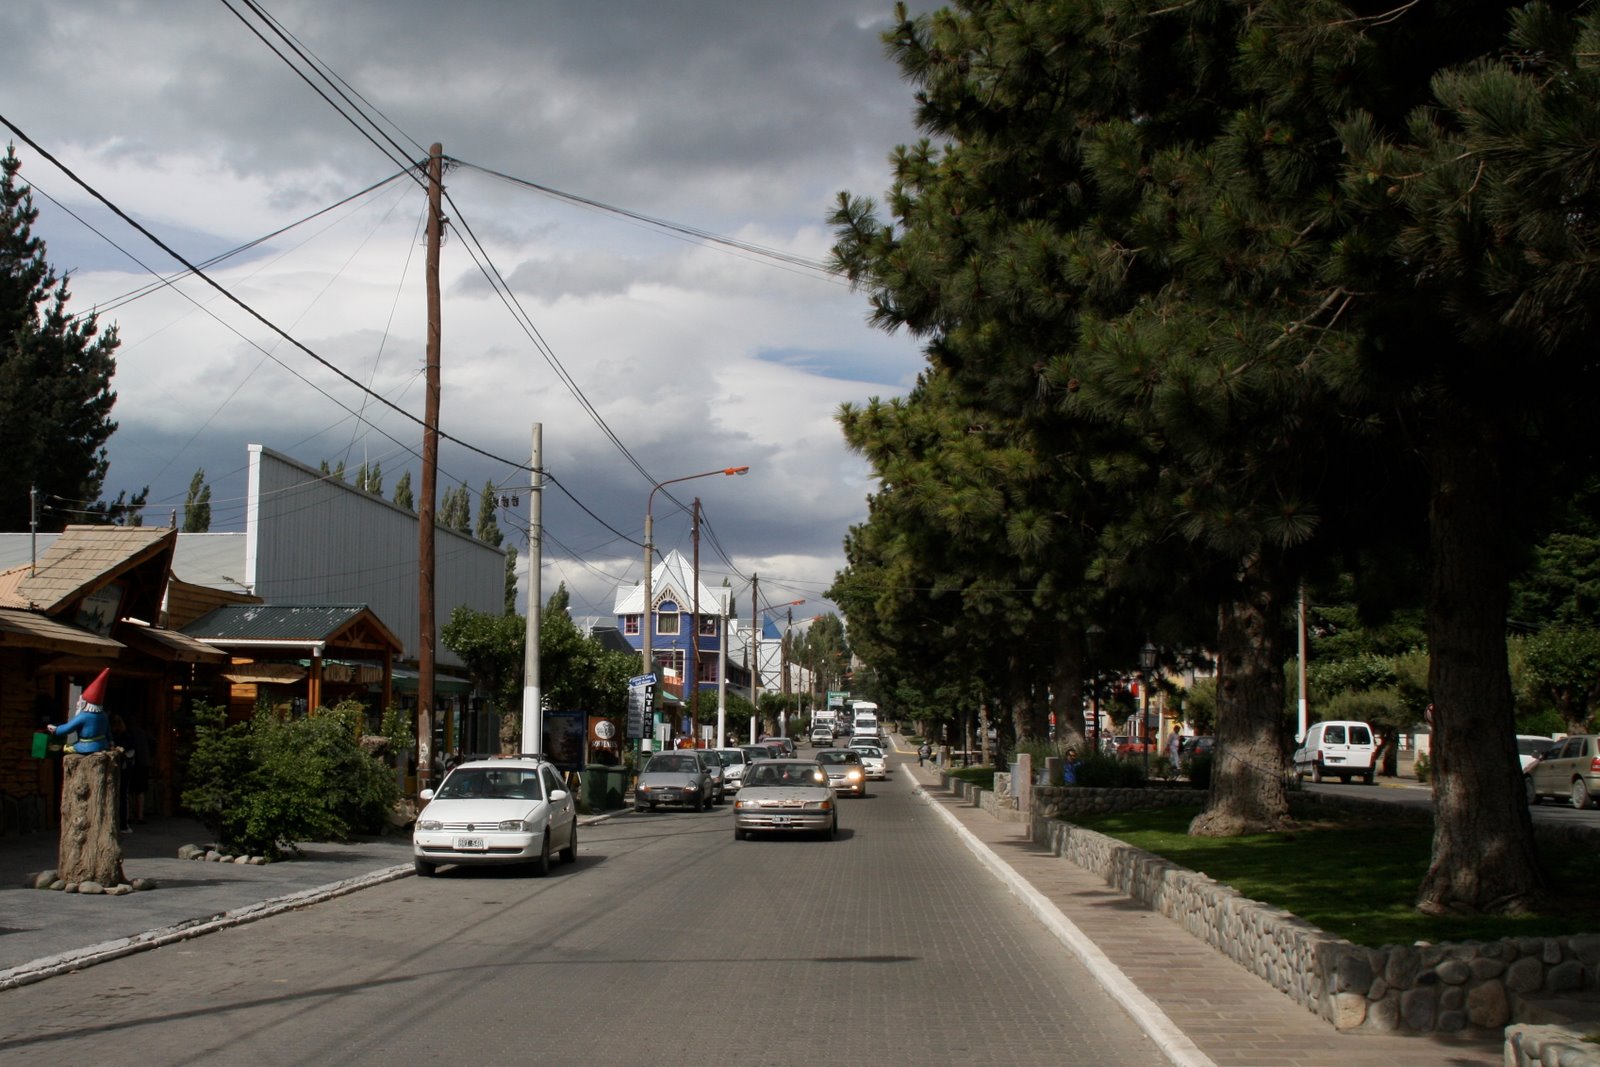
pixel 742 119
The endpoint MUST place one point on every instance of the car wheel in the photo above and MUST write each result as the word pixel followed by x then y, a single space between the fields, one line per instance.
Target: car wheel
pixel 640 808
pixel 541 866
pixel 570 853
pixel 424 868
pixel 738 834
pixel 1316 771
pixel 1527 784
pixel 1367 778
pixel 1580 796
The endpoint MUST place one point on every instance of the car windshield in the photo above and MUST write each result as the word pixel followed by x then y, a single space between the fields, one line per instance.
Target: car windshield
pixel 672 765
pixel 730 757
pixel 1532 746
pixel 490 784
pixel 867 750
pixel 837 756
pixel 793 775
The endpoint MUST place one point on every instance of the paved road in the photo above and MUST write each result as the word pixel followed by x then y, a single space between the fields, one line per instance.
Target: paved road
pixel 667 943
pixel 1412 794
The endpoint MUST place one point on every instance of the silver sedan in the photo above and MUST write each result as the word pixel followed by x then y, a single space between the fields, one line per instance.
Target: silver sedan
pixel 785 796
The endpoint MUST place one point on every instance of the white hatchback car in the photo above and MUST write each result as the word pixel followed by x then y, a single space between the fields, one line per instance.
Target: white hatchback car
pixel 1339 749
pixel 511 810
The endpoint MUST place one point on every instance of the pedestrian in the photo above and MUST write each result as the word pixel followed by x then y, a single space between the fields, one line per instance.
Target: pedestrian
pixel 1069 768
pixel 1175 749
pixel 924 751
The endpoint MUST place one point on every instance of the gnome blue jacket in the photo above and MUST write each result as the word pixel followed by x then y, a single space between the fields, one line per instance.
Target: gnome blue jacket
pixel 93 727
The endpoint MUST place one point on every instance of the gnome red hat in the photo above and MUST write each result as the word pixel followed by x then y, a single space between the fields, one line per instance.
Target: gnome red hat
pixel 95 693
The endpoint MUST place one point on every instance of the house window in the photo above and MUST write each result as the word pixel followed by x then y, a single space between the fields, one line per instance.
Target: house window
pixel 708 670
pixel 630 625
pixel 708 626
pixel 667 618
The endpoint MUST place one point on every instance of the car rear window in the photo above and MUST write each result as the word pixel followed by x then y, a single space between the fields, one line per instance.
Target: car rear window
pixel 1360 735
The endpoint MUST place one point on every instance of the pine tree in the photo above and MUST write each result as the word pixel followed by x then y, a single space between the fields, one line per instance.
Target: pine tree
pixel 488 506
pixel 55 380
pixel 402 492
pixel 197 505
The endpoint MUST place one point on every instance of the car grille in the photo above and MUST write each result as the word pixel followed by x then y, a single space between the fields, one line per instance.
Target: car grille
pixel 783 803
pixel 468 827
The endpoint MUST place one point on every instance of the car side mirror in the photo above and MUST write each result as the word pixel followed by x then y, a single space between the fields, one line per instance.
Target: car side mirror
pixel 558 794
pixel 425 795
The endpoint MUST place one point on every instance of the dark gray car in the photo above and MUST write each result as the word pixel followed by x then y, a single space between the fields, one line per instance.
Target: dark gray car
pixel 673 778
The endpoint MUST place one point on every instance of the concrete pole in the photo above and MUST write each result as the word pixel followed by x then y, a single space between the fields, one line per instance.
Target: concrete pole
pixel 532 697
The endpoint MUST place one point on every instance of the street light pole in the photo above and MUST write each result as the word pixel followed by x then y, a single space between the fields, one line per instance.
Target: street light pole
pixel 647 612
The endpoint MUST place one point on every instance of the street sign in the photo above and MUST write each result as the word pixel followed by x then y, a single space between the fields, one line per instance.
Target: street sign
pixel 641 703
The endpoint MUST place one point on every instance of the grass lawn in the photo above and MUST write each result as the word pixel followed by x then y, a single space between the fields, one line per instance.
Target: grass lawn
pixel 1355 876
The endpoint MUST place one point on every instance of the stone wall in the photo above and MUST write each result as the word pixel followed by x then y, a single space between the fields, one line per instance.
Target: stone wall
pixel 1451 988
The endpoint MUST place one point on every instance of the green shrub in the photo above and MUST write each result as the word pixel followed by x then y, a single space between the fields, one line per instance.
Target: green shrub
pixel 265 785
pixel 1097 770
pixel 1422 767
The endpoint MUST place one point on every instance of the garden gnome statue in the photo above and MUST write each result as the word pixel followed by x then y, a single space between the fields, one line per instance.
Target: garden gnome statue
pixel 91 723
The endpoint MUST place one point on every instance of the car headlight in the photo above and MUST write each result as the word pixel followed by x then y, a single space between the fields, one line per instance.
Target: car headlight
pixel 512 826
pixel 691 788
pixel 818 805
pixel 853 774
pixel 747 803
pixel 429 824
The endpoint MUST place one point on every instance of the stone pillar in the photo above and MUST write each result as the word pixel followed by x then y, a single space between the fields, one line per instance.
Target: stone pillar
pixel 1052 769
pixel 1022 782
pixel 89 850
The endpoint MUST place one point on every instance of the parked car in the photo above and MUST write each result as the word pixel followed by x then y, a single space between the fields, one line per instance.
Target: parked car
pixel 846 771
pixel 672 778
pixel 1570 770
pixel 1337 749
pixel 1203 745
pixel 1132 746
pixel 755 752
pixel 734 761
pixel 786 796
pixel 785 744
pixel 711 763
pixel 1530 747
pixel 873 759
pixel 516 810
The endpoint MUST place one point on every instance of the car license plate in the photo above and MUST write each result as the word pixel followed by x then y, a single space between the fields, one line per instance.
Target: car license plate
pixel 780 820
pixel 470 844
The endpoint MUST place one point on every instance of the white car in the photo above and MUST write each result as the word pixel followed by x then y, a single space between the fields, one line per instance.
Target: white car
pixel 734 761
pixel 512 810
pixel 785 796
pixel 1530 747
pixel 873 759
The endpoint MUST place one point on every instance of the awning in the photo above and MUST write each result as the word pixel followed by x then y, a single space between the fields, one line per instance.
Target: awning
pixel 169 645
pixel 29 629
pixel 405 680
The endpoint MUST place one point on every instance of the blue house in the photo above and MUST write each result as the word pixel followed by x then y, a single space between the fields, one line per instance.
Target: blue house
pixel 673 638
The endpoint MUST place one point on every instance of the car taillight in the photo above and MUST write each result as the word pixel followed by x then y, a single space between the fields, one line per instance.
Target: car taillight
pixel 1594 765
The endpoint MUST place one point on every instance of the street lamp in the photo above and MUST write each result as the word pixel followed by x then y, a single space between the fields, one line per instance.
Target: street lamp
pixel 647 615
pixel 783 711
pixel 1147 664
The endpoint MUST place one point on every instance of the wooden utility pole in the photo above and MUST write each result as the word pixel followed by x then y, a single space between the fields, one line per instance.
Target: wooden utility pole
pixel 755 646
pixel 694 637
pixel 430 478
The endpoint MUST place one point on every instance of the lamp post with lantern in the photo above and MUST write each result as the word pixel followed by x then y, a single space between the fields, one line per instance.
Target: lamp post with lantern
pixel 1147 665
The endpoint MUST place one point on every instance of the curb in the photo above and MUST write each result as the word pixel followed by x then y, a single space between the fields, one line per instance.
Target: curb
pixel 1179 1049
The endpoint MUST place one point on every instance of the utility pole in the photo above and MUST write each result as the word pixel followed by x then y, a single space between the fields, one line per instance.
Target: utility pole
pixel 532 698
pixel 694 638
pixel 430 473
pixel 755 652
pixel 722 673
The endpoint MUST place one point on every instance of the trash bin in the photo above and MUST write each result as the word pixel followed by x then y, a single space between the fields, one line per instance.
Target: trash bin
pixel 603 787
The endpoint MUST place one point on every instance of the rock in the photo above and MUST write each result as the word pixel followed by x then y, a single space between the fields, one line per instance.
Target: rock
pixel 242 860
pixel 1453 972
pixel 59 886
pixel 45 879
pixel 1349 1011
pixel 1384 1014
pixel 1488 1007
pixel 1485 967
pixel 258 861
pixel 1525 975
pixel 213 855
pixel 91 887
pixel 1354 974
pixel 70 887
pixel 119 890
pixel 141 884
pixel 1419 1008
pixel 1451 1021
pixel 191 852
pixel 1402 967
pixel 1564 977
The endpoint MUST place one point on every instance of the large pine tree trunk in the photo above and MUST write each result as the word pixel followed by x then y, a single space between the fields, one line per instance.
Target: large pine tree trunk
pixel 89 850
pixel 1066 686
pixel 1483 853
pixel 1249 792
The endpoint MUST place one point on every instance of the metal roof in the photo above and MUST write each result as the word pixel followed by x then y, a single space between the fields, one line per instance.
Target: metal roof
pixel 308 623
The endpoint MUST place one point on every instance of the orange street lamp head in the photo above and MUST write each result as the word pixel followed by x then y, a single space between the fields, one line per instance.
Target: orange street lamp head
pixel 736 470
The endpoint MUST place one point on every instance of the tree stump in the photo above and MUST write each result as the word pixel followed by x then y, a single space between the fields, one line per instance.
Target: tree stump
pixel 89 850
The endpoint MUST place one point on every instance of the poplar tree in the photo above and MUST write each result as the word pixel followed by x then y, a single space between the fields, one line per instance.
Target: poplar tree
pixel 197 505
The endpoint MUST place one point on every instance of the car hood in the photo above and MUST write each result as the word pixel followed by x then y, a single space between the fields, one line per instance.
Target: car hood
pixel 479 810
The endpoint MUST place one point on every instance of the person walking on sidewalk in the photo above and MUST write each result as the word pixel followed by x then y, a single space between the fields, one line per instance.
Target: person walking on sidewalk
pixel 923 752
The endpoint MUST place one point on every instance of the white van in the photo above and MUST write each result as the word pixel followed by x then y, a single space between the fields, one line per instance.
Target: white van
pixel 1340 749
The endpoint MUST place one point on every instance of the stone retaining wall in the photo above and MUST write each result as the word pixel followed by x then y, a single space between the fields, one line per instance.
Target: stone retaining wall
pixel 1464 987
